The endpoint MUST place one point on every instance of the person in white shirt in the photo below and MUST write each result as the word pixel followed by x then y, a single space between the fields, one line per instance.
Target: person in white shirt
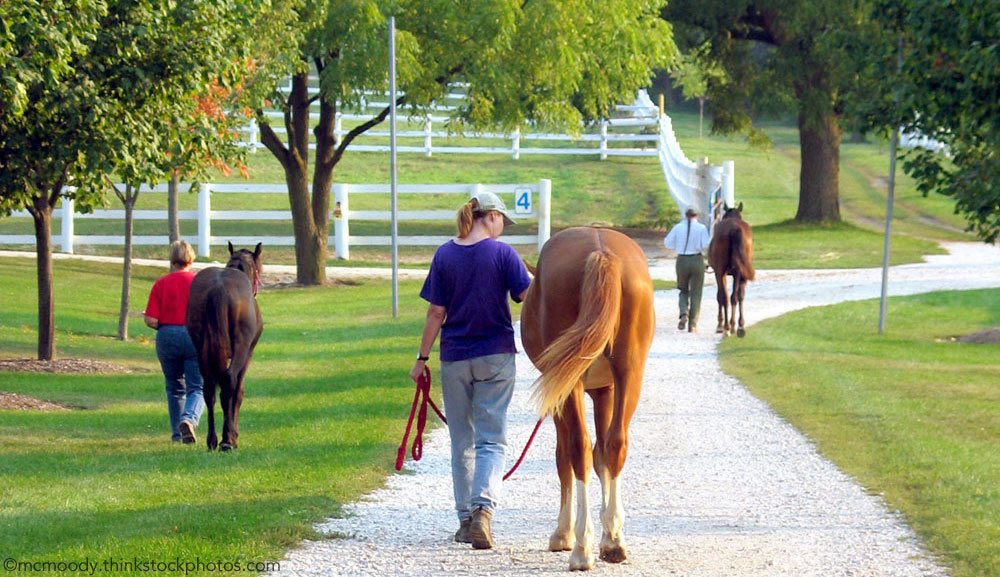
pixel 689 239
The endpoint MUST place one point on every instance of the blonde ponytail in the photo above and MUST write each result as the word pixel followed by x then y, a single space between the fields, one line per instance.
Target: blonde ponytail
pixel 466 217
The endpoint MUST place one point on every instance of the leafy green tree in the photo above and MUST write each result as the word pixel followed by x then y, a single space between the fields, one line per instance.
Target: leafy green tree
pixel 52 123
pixel 693 74
pixel 90 86
pixel 948 89
pixel 781 55
pixel 553 62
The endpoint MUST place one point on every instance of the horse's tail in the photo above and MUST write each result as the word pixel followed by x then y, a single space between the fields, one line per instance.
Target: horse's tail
pixel 741 257
pixel 216 344
pixel 563 362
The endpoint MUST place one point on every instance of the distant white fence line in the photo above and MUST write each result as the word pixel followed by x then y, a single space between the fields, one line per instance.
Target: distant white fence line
pixel 690 183
pixel 529 201
pixel 605 136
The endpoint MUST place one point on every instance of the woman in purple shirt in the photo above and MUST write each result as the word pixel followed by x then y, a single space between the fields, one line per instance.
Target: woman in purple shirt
pixel 467 288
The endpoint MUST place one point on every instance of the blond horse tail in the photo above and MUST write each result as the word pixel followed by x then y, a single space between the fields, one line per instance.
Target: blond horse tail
pixel 563 362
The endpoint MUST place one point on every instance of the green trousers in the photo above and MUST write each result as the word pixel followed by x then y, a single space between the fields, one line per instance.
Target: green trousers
pixel 690 280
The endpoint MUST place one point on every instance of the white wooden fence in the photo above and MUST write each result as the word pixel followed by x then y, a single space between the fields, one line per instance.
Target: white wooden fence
pixel 524 201
pixel 690 183
pixel 639 116
pixel 527 201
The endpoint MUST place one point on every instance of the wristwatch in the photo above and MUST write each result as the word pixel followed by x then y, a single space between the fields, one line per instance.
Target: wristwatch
pixel 421 357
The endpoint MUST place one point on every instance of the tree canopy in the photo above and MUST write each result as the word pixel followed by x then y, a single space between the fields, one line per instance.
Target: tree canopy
pixel 93 88
pixel 948 89
pixel 779 56
pixel 553 62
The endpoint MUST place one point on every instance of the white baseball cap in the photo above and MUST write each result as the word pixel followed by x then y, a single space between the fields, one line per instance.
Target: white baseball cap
pixel 489 201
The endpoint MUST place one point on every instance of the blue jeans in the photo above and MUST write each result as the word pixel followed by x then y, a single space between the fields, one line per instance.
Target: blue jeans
pixel 476 395
pixel 180 368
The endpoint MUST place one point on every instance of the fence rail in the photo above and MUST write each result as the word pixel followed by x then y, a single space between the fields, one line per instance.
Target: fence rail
pixel 690 183
pixel 530 201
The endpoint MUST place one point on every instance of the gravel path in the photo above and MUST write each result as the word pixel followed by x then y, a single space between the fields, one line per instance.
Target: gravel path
pixel 716 483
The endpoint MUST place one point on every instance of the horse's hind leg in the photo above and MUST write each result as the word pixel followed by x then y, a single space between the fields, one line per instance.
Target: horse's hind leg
pixel 742 292
pixel 562 538
pixel 572 429
pixel 226 400
pixel 612 541
pixel 208 391
pixel 720 297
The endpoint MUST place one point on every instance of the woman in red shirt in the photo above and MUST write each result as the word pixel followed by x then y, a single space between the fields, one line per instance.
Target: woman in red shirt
pixel 166 311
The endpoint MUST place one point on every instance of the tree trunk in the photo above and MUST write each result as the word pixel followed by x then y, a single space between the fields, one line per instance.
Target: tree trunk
pixel 129 202
pixel 819 180
pixel 701 114
pixel 42 214
pixel 310 213
pixel 173 224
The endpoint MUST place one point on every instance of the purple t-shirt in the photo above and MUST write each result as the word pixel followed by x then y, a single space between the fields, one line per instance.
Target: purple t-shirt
pixel 472 284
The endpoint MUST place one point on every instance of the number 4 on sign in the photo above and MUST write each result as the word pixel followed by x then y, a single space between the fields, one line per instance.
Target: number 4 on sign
pixel 523 202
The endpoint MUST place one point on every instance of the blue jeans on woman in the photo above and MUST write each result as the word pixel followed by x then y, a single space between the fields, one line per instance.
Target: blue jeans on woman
pixel 180 368
pixel 476 395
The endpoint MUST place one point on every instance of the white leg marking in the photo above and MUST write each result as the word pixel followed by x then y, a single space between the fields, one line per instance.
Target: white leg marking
pixel 562 538
pixel 613 519
pixel 581 559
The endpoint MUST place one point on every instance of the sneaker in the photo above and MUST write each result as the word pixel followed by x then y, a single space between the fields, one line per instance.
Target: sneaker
pixel 187 432
pixel 479 529
pixel 462 535
pixel 683 324
pixel 692 328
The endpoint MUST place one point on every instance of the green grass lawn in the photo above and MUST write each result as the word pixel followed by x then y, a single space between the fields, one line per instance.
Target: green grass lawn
pixel 911 414
pixel 327 399
pixel 327 396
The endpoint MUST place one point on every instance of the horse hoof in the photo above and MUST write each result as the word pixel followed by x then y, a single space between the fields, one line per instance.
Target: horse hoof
pixel 614 554
pixel 719 330
pixel 580 562
pixel 559 543
pixel 226 447
pixel 741 333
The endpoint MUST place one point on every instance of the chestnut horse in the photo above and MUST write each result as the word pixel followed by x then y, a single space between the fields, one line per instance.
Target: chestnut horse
pixel 587 323
pixel 224 322
pixel 731 253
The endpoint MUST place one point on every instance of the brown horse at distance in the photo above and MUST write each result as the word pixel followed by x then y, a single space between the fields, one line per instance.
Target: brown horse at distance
pixel 587 324
pixel 224 322
pixel 731 253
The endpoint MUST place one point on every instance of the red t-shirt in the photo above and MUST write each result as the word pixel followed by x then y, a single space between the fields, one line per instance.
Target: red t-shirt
pixel 168 301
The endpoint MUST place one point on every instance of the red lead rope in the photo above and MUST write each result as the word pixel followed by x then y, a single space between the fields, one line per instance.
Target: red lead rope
pixel 424 389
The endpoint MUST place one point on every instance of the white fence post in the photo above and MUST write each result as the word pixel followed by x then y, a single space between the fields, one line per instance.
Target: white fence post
pixel 204 220
pixel 604 140
pixel 544 202
pixel 340 222
pixel 516 144
pixel 427 136
pixel 729 182
pixel 338 128
pixel 67 225
pixel 253 135
pixel 704 189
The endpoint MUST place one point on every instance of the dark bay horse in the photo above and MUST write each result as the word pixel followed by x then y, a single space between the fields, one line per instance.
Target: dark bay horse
pixel 587 323
pixel 731 253
pixel 224 322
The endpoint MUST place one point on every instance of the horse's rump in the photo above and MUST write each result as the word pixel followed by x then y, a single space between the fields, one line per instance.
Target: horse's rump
pixel 565 360
pixel 574 314
pixel 216 299
pixel 742 250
